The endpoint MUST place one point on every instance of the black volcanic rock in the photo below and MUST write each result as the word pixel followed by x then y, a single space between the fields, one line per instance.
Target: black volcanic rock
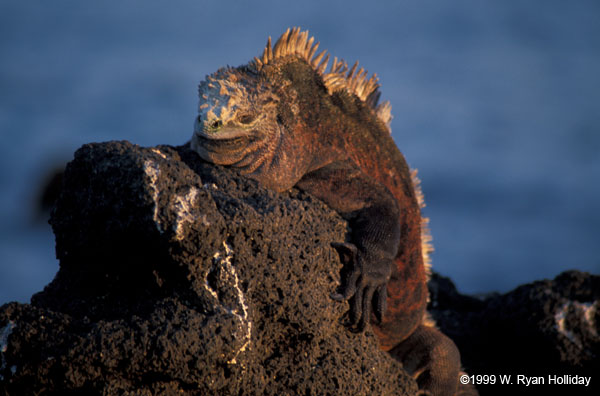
pixel 180 277
pixel 548 327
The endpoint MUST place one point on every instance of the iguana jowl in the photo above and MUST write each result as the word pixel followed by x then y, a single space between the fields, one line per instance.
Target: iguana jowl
pixel 286 122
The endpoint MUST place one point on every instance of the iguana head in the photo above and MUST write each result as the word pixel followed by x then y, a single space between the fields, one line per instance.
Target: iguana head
pixel 237 117
pixel 247 114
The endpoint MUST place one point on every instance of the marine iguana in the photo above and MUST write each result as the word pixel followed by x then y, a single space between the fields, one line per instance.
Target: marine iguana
pixel 283 120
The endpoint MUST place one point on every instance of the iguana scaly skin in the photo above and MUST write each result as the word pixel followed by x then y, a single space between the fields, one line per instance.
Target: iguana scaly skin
pixel 286 122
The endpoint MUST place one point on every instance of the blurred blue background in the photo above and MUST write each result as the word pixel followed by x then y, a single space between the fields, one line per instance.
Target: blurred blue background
pixel 496 103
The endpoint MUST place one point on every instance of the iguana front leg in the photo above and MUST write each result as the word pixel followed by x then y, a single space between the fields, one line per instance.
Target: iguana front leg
pixel 373 215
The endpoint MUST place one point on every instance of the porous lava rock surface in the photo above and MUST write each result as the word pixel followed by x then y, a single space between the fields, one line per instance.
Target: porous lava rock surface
pixel 547 327
pixel 181 277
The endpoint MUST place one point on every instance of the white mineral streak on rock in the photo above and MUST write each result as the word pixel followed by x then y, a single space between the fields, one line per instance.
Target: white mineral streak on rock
pixel 183 209
pixel 229 276
pixel 589 315
pixel 210 289
pixel 4 334
pixel 157 151
pixel 560 318
pixel 583 310
pixel 152 170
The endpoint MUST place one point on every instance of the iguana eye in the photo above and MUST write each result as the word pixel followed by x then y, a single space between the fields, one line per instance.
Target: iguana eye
pixel 247 118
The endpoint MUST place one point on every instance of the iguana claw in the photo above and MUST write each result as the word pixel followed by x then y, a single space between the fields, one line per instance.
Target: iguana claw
pixel 365 286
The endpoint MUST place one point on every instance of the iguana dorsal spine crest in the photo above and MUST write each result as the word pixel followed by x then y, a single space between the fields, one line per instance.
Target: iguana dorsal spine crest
pixel 294 42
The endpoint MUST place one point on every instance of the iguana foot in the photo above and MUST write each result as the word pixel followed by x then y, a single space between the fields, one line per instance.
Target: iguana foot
pixel 432 359
pixel 366 286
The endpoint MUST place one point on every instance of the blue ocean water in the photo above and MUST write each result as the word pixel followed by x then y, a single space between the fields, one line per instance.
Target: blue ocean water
pixel 496 103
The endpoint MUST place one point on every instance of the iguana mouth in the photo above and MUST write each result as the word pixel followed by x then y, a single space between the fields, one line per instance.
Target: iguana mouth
pixel 212 144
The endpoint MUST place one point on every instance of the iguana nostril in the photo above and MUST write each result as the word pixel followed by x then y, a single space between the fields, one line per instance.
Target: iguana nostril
pixel 217 124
